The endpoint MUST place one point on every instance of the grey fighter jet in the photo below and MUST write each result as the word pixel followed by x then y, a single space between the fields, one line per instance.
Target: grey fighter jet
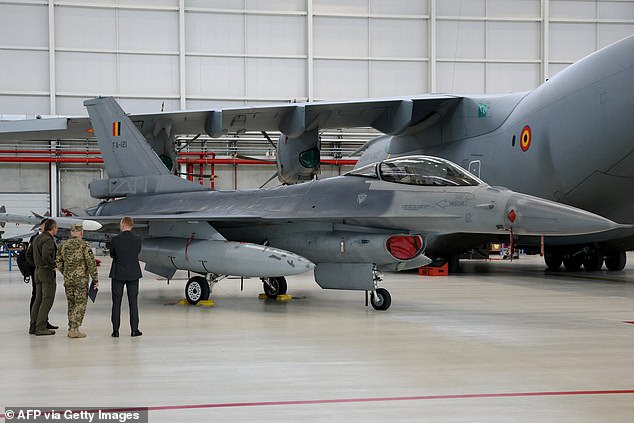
pixel 386 216
pixel 571 140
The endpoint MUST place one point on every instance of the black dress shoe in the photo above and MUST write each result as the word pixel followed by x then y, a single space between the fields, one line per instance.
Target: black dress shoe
pixel 49 326
pixel 136 333
pixel 115 334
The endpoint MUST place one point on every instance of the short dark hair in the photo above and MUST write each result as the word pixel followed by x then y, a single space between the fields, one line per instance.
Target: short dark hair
pixel 49 224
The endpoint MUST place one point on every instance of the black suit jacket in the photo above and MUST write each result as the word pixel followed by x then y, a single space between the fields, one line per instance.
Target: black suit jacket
pixel 124 250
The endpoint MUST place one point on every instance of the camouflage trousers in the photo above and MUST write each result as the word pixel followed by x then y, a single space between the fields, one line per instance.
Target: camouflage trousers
pixel 77 296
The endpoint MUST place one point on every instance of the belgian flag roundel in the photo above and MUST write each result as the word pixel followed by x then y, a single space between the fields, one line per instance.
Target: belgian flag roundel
pixel 116 129
pixel 525 138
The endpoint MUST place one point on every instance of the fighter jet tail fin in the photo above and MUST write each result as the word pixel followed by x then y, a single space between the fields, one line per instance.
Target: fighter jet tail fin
pixel 132 165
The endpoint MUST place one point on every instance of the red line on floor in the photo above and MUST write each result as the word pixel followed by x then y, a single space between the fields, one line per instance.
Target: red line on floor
pixel 631 323
pixel 377 399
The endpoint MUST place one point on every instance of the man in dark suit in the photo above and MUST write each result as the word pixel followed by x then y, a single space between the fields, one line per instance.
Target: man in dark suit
pixel 125 271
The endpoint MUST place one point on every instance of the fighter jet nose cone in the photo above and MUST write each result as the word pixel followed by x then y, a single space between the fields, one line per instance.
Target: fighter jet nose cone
pixel 530 215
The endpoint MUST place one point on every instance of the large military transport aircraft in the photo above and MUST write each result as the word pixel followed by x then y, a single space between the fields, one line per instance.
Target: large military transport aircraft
pixel 385 216
pixel 571 140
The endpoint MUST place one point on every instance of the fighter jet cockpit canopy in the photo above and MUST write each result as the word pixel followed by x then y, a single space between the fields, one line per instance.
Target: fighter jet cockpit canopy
pixel 418 170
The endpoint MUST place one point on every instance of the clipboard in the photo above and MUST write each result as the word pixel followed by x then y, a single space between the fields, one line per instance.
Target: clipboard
pixel 92 291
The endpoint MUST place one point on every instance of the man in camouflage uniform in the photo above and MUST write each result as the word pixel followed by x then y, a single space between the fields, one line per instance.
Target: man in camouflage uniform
pixel 76 262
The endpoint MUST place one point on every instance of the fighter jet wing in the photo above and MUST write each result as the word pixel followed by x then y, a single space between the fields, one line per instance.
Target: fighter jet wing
pixel 389 115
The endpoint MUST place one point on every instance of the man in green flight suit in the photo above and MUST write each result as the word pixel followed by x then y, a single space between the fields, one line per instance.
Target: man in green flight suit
pixel 44 251
pixel 76 262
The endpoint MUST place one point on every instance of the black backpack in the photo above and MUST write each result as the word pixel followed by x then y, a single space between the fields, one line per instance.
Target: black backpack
pixel 23 264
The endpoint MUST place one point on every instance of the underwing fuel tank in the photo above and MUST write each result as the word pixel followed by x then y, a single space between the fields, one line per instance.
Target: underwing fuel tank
pixel 223 257
pixel 530 215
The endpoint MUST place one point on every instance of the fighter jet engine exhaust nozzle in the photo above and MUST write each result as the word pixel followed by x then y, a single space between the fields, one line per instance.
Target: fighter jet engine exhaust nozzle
pixel 528 215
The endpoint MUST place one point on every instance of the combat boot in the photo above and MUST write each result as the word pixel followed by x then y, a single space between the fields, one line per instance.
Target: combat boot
pixel 76 334
pixel 44 332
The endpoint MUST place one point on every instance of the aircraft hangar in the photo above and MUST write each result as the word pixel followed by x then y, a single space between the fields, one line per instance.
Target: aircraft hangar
pixel 503 340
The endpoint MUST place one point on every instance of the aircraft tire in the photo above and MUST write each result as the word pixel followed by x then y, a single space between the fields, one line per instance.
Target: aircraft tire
pixel 274 286
pixel 553 260
pixel 593 261
pixel 381 299
pixel 197 289
pixel 573 263
pixel 615 260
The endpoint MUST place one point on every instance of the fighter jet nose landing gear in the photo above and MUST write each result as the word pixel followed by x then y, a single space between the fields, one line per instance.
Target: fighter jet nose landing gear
pixel 274 286
pixel 381 299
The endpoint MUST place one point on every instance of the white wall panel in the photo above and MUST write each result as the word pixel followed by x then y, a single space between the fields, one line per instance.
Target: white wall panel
pixel 82 28
pixel 615 10
pixel 513 41
pixel 610 33
pixel 24 25
pixel 341 37
pixel 134 70
pixel 341 79
pixel 338 6
pixel 215 77
pixel 572 9
pixel 276 35
pixel 276 78
pixel 514 8
pixel 512 77
pixel 215 4
pixel 571 41
pixel 399 7
pixel 23 71
pixel 87 73
pixel 25 106
pixel 71 106
pixel 398 38
pixel 464 8
pixel 461 78
pixel 146 3
pixel 279 5
pixel 143 30
pixel 465 40
pixel 73 187
pixel 214 33
pixel 398 78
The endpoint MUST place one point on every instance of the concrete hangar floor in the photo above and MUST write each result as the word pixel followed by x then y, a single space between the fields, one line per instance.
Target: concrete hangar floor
pixel 500 342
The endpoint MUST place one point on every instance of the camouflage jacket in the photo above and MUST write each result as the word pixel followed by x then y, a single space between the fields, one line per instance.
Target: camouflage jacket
pixel 76 261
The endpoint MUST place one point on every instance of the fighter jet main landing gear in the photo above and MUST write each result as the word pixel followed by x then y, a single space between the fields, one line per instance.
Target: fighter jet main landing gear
pixel 198 288
pixel 274 286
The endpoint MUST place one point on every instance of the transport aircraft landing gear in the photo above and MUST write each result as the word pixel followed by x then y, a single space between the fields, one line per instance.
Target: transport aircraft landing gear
pixel 593 261
pixel 615 260
pixel 274 286
pixel 553 260
pixel 197 289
